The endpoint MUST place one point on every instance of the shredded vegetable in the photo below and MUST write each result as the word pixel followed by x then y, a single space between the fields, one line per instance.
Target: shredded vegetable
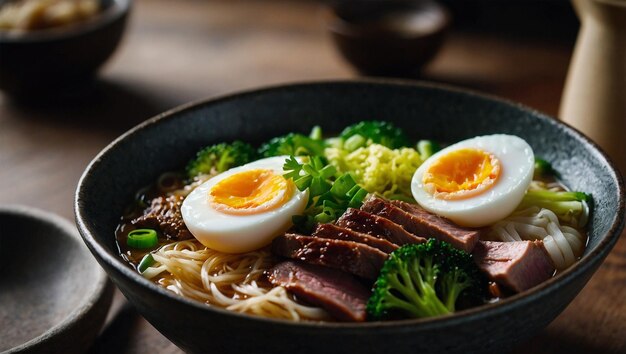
pixel 379 169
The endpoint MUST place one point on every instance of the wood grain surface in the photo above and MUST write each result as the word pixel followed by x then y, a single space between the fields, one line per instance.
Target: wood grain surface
pixel 175 53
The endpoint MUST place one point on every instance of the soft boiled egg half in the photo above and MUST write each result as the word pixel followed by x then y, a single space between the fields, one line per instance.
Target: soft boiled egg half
pixel 244 208
pixel 477 181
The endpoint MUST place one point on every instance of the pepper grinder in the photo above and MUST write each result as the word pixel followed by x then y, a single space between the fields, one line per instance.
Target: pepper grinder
pixel 594 98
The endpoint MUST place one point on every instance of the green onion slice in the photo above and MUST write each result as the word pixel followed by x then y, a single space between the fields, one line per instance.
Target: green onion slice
pixel 427 148
pixel 146 262
pixel 316 133
pixel 142 238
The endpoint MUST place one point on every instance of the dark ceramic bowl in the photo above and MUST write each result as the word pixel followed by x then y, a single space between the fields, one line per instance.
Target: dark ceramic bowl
pixel 54 297
pixel 167 141
pixel 43 61
pixel 388 38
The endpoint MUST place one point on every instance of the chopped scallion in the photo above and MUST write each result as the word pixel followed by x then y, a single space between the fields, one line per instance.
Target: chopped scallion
pixel 142 238
pixel 329 194
pixel 354 142
pixel 146 262
pixel 316 133
pixel 427 148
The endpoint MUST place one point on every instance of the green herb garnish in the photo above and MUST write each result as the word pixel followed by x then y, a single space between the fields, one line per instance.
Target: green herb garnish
pixel 330 194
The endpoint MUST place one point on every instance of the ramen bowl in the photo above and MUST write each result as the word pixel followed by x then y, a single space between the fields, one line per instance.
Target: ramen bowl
pixel 40 62
pixel 423 110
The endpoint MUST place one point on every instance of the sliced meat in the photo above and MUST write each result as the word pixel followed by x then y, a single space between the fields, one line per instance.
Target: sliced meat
pixel 420 222
pixel 352 257
pixel 377 226
pixel 518 265
pixel 339 233
pixel 164 215
pixel 339 293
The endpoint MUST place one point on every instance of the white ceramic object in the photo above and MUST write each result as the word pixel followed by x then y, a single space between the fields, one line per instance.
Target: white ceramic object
pixel 594 99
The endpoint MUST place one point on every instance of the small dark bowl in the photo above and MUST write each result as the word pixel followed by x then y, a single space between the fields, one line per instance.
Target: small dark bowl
pixel 167 141
pixel 44 61
pixel 388 38
pixel 54 297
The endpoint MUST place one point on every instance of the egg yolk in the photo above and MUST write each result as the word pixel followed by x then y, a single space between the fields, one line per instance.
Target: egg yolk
pixel 250 192
pixel 461 174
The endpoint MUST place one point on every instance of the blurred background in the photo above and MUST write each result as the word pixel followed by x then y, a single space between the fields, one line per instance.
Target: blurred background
pixel 552 20
pixel 171 54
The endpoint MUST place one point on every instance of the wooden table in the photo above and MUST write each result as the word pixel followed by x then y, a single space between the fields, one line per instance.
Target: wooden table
pixel 175 54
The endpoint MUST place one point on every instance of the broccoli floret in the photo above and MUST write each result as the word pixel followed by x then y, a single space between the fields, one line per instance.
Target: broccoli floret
pixel 220 157
pixel 373 132
pixel 424 280
pixel 293 144
pixel 544 169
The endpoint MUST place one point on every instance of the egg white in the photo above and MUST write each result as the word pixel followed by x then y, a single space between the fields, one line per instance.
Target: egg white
pixel 239 233
pixel 517 165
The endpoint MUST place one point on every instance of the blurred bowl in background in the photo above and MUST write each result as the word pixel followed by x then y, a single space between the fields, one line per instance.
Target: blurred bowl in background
pixel 388 38
pixel 43 61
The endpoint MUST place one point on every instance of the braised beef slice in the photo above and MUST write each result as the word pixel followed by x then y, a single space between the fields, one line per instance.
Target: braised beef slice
pixel 420 222
pixel 339 293
pixel 377 226
pixel 352 257
pixel 518 265
pixel 164 215
pixel 339 233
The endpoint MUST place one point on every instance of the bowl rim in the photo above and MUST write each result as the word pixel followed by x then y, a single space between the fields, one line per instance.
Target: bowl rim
pixel 116 10
pixel 103 284
pixel 586 262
